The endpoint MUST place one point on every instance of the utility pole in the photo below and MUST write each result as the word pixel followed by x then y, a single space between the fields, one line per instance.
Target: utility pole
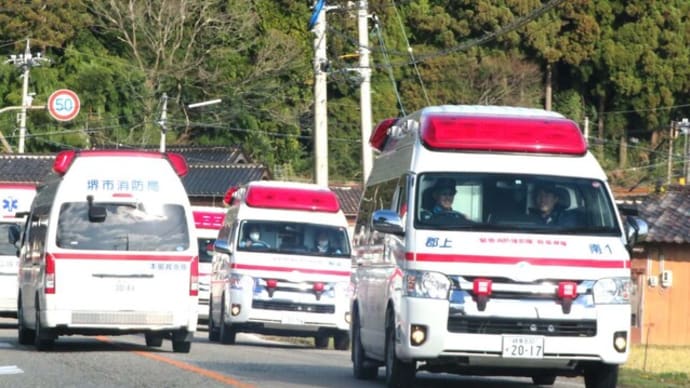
pixel 320 97
pixel 162 122
pixel 25 62
pixel 365 88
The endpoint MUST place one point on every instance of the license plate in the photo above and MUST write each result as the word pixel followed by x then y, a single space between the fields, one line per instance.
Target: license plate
pixel 124 287
pixel 292 320
pixel 523 346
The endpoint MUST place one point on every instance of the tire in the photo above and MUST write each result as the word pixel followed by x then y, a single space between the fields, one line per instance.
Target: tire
pixel 321 341
pixel 601 376
pixel 543 380
pixel 25 336
pixel 341 340
pixel 361 365
pixel 227 333
pixel 43 339
pixel 181 346
pixel 399 374
pixel 213 331
pixel 154 340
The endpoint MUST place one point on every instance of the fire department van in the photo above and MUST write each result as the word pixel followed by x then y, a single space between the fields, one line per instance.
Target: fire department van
pixel 108 249
pixel 282 265
pixel 208 220
pixel 488 243
pixel 15 199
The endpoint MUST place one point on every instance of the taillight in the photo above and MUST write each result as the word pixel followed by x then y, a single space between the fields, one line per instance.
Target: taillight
pixel 49 279
pixel 194 277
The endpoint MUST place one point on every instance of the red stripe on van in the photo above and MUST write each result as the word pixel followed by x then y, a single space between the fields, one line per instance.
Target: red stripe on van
pixel 110 256
pixel 286 269
pixel 433 257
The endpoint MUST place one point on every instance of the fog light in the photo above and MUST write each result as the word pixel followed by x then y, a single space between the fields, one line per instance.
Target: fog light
pixel 347 317
pixel 417 335
pixel 620 341
pixel 235 310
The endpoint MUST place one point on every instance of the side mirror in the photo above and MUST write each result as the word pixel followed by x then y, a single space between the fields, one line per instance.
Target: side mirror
pixel 636 230
pixel 221 246
pixel 387 221
pixel 13 234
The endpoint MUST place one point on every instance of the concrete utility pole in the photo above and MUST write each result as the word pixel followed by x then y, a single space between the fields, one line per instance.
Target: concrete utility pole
pixel 320 100
pixel 25 61
pixel 162 122
pixel 365 88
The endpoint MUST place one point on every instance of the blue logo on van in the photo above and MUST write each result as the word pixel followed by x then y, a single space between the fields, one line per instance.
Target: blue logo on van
pixel 10 204
pixel 134 185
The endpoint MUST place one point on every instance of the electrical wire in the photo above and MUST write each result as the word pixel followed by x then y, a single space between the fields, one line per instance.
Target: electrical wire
pixel 389 68
pixel 409 50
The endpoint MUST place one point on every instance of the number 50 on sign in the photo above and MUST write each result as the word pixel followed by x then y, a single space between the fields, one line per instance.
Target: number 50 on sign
pixel 63 105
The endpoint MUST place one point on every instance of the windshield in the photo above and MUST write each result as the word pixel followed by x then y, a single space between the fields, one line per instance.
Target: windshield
pixel 205 249
pixel 514 203
pixel 294 237
pixel 126 227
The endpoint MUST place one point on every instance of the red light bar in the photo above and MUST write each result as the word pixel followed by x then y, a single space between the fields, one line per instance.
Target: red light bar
pixel 378 138
pixel 208 220
pixel 179 163
pixel 292 198
pixel 64 159
pixel 506 134
pixel 482 287
pixel 227 199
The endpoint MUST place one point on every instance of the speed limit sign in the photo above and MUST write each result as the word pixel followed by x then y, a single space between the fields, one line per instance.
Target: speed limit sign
pixel 63 105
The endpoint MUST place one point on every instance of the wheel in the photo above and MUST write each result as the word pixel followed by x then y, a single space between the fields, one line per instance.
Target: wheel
pixel 321 341
pixel 543 380
pixel 341 340
pixel 154 340
pixel 227 333
pixel 213 331
pixel 43 339
pixel 399 374
pixel 181 346
pixel 601 376
pixel 25 336
pixel 361 366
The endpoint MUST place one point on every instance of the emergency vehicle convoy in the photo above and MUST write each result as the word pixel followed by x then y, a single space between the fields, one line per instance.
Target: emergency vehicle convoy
pixel 15 199
pixel 208 220
pixel 108 249
pixel 488 243
pixel 282 265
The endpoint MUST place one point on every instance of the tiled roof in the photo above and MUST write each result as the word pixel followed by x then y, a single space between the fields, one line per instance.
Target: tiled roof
pixel 25 168
pixel 668 215
pixel 349 197
pixel 215 180
pixel 215 155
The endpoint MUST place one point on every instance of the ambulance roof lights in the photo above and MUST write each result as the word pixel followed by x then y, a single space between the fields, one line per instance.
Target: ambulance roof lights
pixel 378 138
pixel 64 159
pixel 228 199
pixel 550 135
pixel 292 199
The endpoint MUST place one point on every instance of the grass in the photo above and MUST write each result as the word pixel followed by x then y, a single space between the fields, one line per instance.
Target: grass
pixel 656 366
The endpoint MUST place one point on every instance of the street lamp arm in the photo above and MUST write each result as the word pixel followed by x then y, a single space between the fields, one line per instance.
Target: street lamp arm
pixel 18 107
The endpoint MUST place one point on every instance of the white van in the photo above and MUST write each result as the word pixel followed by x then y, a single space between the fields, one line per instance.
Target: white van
pixel 282 265
pixel 208 220
pixel 488 243
pixel 108 249
pixel 15 202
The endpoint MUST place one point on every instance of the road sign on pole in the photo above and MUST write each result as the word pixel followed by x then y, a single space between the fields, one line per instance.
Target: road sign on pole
pixel 63 105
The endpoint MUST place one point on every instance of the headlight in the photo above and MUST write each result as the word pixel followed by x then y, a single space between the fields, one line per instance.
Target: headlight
pixel 612 291
pixel 426 285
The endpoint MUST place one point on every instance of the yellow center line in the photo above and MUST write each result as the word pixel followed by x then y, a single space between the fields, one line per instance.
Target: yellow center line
pixel 188 367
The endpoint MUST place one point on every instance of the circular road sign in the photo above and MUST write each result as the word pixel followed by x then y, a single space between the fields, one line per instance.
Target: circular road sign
pixel 63 105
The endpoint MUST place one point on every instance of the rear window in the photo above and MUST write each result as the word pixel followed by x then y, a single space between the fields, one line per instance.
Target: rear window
pixel 6 248
pixel 125 227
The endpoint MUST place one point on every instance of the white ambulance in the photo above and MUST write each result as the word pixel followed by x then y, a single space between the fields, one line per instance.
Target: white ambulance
pixel 282 265
pixel 15 199
pixel 108 249
pixel 488 243
pixel 208 220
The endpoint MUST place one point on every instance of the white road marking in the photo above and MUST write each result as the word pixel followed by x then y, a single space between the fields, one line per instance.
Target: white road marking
pixel 10 370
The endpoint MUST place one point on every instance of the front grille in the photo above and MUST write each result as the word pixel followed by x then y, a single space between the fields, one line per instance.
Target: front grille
pixel 291 306
pixel 546 327
pixel 120 318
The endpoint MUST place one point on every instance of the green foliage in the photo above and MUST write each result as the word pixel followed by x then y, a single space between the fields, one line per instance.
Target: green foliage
pixel 625 63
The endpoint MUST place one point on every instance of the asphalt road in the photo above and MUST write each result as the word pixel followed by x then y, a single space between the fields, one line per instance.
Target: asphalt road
pixel 125 361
